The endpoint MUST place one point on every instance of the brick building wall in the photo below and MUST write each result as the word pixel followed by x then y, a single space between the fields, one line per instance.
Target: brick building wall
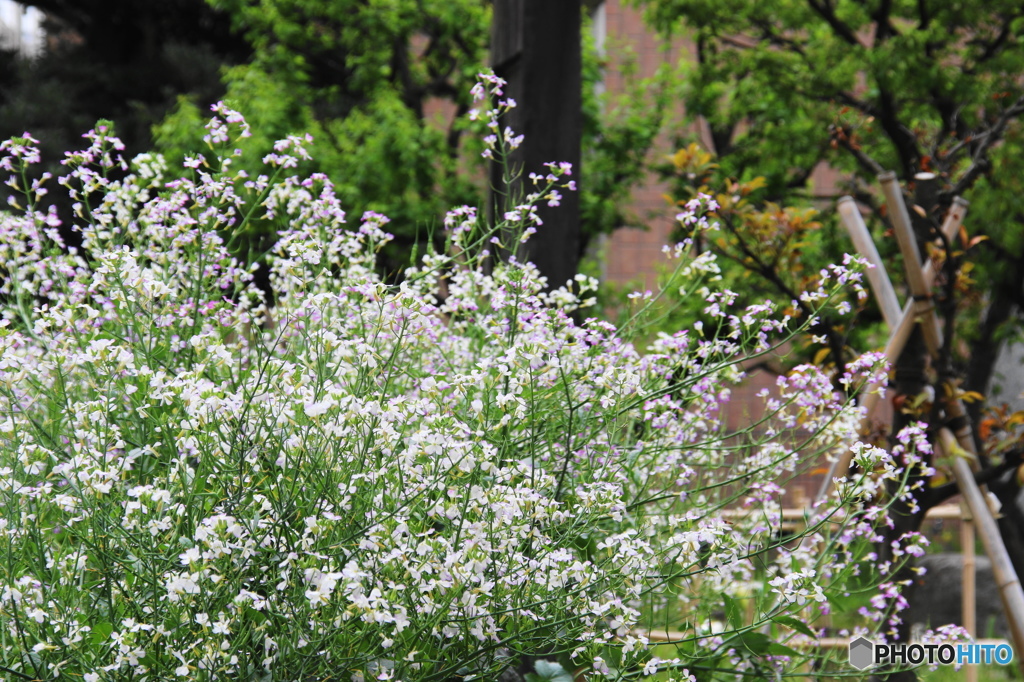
pixel 632 254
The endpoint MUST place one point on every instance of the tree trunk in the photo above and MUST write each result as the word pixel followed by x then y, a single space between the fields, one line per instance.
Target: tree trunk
pixel 536 48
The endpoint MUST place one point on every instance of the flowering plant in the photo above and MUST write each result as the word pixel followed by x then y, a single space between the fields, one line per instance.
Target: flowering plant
pixel 368 480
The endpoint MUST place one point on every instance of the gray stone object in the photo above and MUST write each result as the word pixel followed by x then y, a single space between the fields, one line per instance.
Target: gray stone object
pixel 861 653
pixel 936 597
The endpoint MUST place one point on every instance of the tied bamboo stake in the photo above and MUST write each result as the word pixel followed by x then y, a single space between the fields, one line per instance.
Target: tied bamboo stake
pixel 968 607
pixel 886 297
pixel 919 289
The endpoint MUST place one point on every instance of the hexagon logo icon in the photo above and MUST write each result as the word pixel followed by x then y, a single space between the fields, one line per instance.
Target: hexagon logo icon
pixel 861 653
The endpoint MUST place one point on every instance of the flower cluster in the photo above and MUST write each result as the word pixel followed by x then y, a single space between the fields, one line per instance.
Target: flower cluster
pixel 369 480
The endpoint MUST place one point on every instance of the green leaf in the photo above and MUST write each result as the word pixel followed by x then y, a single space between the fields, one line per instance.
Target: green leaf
pixel 733 612
pixel 255 615
pixel 755 642
pixel 843 603
pixel 101 632
pixel 777 649
pixel 795 624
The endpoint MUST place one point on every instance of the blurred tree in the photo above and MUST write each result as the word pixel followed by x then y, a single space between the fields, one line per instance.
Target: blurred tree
pixel 864 86
pixel 383 87
pixel 115 59
pixel 380 85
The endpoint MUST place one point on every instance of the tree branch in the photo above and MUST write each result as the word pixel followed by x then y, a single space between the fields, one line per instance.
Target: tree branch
pixel 902 138
pixel 769 272
pixel 979 159
pixel 939 494
pixel 883 27
pixel 923 17
pixel 995 46
pixel 826 12
pixel 842 138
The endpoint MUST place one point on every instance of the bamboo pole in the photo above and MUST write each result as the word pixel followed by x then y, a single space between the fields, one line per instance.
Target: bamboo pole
pixel 968 605
pixel 920 290
pixel 960 446
pixel 865 246
pixel 886 297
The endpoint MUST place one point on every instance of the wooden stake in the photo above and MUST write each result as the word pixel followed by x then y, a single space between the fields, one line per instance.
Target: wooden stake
pixel 968 607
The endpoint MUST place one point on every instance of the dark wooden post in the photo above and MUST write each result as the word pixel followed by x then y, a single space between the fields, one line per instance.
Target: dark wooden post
pixel 536 48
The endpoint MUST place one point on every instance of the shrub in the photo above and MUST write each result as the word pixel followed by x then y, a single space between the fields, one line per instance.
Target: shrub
pixel 377 481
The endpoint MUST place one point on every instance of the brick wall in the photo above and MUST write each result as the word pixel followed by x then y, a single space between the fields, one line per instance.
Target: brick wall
pixel 632 253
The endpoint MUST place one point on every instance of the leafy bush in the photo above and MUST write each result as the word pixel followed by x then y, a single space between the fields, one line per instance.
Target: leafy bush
pixel 423 481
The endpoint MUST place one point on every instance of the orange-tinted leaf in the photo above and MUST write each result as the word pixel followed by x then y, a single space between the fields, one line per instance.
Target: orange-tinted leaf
pixel 985 428
pixel 756 183
pixel 1015 419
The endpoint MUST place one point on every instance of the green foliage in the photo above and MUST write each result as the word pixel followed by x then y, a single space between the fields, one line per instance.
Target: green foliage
pixel 619 130
pixel 384 79
pixel 389 80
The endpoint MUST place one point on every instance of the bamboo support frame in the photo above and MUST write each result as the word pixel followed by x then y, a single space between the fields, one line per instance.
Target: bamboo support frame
pixel 921 291
pixel 959 447
pixel 1002 568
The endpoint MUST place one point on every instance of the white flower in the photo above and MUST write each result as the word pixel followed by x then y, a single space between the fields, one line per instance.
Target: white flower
pixel 221 627
pixel 179 584
pixel 315 409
